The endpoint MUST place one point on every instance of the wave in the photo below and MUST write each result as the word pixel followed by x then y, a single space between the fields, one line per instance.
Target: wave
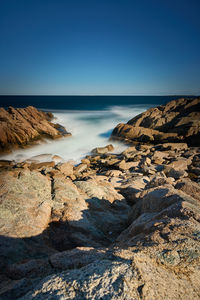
pixel 89 129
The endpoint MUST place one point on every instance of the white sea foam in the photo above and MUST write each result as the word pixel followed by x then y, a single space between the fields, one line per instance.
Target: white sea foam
pixel 89 129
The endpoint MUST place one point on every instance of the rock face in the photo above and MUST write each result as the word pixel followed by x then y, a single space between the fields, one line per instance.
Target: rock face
pixel 178 120
pixel 126 226
pixel 22 126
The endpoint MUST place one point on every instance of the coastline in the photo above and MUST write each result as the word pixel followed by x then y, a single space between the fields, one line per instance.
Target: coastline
pixel 114 218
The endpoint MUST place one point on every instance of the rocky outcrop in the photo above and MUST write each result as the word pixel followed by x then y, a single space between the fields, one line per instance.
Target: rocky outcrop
pixel 22 126
pixel 117 226
pixel 177 121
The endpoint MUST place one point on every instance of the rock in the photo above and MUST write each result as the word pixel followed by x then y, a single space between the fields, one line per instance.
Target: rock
pixel 177 121
pixel 171 146
pixel 103 150
pixel 176 174
pixel 133 187
pixel 114 173
pixel 22 126
pixel 179 164
pixel 25 212
pixel 66 168
pixel 76 258
pixel 141 277
pixel 25 203
pixel 30 269
pixel 117 226
pixel 196 161
pixel 141 134
pixel 157 181
pixel 14 289
pixel 80 168
pixel 127 165
pixel 57 159
pixel 160 155
pixel 85 211
pixel 146 160
pixel 85 161
pixel 106 280
pixel 130 152
pixel 100 190
pixel 42 166
pixel 189 187
pixel 196 171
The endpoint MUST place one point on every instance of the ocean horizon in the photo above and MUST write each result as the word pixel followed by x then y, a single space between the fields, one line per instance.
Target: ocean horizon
pixel 82 102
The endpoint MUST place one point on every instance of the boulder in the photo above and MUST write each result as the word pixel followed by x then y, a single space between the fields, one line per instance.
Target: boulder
pixel 80 168
pixel 22 126
pixel 123 165
pixel 179 164
pixel 189 187
pixel 103 150
pixel 25 207
pixel 177 121
pixel 139 277
pixel 65 168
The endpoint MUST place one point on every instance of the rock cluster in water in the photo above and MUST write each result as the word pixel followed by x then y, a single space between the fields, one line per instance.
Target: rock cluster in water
pixel 116 226
pixel 23 126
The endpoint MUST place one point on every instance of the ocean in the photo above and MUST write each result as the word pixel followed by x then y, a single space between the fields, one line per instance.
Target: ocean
pixel 90 119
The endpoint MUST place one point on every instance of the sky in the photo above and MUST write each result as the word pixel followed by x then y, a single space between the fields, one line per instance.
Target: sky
pixel 99 47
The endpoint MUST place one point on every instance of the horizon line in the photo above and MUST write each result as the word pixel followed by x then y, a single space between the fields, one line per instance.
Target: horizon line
pixel 99 95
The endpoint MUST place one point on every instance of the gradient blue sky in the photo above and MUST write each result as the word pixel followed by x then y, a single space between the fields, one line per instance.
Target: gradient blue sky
pixel 126 47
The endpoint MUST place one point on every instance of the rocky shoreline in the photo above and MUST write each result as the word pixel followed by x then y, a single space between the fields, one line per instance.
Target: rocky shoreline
pixel 116 226
pixel 177 121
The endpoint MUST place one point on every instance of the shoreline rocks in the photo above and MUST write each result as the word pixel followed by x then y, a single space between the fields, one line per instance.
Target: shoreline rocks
pixel 116 226
pixel 21 127
pixel 177 121
pixel 122 212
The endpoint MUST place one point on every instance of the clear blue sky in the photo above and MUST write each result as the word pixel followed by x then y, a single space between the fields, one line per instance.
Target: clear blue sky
pixel 126 47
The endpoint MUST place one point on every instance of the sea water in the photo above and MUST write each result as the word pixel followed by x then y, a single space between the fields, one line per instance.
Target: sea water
pixel 89 119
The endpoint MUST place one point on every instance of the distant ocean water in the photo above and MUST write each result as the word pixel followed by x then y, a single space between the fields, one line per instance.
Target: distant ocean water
pixel 90 119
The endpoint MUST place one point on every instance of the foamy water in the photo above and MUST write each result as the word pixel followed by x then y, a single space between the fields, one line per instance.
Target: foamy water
pixel 89 129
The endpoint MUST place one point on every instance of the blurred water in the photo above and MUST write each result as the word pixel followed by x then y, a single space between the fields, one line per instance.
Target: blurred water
pixel 89 129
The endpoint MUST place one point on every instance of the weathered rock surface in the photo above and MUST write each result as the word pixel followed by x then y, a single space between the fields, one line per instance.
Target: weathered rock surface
pixel 22 126
pixel 117 226
pixel 178 120
pixel 25 206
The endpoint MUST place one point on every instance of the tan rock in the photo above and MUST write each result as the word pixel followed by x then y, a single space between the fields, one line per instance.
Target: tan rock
pixel 85 161
pixel 114 173
pixel 25 207
pixel 177 121
pixel 66 168
pixel 179 164
pixel 19 127
pixel 80 168
pixel 127 165
pixel 103 150
pixel 43 165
